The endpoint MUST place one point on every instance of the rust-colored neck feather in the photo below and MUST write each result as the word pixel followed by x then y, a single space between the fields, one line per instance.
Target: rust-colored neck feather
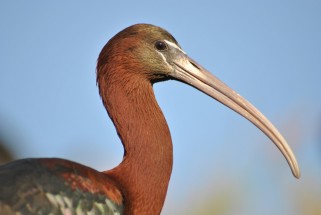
pixel 145 170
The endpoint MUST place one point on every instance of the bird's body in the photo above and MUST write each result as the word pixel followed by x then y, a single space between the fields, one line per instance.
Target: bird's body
pixel 56 186
pixel 129 64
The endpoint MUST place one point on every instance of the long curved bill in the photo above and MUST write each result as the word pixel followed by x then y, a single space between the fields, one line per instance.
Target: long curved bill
pixel 190 72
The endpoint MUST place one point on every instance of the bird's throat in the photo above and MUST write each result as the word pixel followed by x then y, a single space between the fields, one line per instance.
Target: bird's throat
pixel 145 170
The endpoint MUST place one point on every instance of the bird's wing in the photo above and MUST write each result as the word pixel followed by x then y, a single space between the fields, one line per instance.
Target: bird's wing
pixel 56 186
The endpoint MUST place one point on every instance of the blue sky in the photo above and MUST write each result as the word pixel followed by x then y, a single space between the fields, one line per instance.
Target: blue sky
pixel 268 51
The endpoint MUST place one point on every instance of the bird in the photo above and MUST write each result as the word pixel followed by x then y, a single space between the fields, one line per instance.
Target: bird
pixel 128 66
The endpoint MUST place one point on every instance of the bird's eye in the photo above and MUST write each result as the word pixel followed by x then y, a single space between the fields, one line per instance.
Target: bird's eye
pixel 160 45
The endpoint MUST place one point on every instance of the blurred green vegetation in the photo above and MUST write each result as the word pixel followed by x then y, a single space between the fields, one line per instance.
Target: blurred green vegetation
pixel 298 197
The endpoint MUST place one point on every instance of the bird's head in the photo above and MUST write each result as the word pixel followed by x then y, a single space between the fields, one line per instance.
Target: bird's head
pixel 149 52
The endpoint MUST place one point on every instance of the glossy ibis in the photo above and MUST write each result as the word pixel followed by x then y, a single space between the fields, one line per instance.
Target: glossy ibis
pixel 128 66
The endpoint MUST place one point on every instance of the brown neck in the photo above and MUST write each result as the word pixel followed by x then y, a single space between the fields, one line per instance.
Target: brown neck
pixel 145 170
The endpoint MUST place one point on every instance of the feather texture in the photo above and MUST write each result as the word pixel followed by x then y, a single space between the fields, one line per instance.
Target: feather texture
pixel 56 186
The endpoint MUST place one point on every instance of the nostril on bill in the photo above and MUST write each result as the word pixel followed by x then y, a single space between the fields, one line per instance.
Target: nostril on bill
pixel 194 65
